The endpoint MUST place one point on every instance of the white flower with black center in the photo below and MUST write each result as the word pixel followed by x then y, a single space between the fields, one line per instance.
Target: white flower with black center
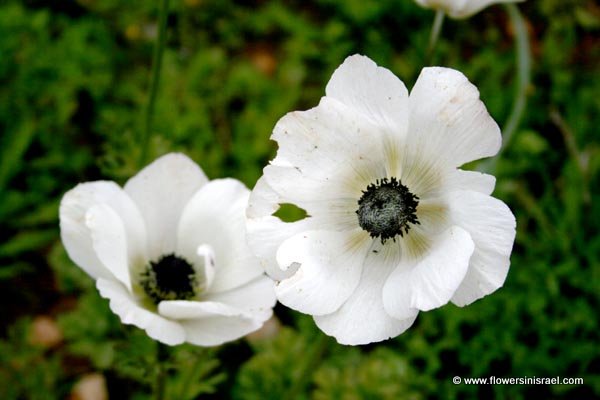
pixel 169 251
pixel 393 227
pixel 461 8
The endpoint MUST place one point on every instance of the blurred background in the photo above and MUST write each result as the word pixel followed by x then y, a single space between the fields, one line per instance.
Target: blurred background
pixel 74 78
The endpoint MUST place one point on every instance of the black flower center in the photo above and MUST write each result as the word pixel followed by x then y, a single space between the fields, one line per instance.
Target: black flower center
pixel 387 208
pixel 169 278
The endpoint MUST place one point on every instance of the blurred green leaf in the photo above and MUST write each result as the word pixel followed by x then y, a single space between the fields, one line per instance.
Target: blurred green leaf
pixel 26 241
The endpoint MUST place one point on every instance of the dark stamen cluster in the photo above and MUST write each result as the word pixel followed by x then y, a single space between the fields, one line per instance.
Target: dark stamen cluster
pixel 169 278
pixel 387 208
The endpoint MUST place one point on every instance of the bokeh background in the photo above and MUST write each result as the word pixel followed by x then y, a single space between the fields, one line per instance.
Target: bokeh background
pixel 74 78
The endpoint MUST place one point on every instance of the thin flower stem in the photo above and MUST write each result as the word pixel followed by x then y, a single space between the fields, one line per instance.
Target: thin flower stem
pixel 523 67
pixel 523 72
pixel 580 158
pixel 162 356
pixel 311 361
pixel 188 376
pixel 157 57
pixel 436 29
pixel 533 209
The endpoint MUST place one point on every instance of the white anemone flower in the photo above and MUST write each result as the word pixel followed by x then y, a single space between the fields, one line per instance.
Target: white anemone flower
pixel 393 227
pixel 461 8
pixel 169 252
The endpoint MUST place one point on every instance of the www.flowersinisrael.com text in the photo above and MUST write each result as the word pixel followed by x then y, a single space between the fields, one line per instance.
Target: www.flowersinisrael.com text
pixel 523 380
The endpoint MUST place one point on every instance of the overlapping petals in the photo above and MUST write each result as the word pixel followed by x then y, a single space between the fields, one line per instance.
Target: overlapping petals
pixel 170 208
pixel 359 288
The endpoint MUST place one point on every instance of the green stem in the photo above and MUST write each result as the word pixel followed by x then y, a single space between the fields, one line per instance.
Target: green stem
pixel 162 356
pixel 578 157
pixel 310 362
pixel 523 67
pixel 188 376
pixel 535 211
pixel 159 48
pixel 436 29
pixel 523 73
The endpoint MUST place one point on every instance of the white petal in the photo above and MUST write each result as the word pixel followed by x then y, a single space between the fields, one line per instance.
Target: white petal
pixel 470 180
pixel 109 241
pixel 216 216
pixel 206 258
pixel 431 282
pixel 161 190
pixel 492 227
pixel 329 268
pixel 121 303
pixel 295 186
pixel 265 233
pixel 327 156
pixel 263 200
pixel 256 297
pixel 210 323
pixel 373 92
pixel 466 8
pixel 448 122
pixel 362 318
pixel 76 236
pixel 460 8
pixel 474 6
pixel 332 145
pixel 183 309
pixel 332 204
pixel 213 331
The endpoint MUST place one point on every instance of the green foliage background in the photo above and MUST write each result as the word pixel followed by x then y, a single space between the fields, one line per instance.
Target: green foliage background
pixel 73 83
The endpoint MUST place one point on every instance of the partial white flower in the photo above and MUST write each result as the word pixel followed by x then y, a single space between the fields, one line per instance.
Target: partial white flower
pixel 461 8
pixel 169 252
pixel 393 226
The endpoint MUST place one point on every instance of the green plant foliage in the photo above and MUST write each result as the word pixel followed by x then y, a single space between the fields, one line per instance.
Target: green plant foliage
pixel 351 375
pixel 26 370
pixel 194 373
pixel 89 330
pixel 74 79
pixel 271 373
